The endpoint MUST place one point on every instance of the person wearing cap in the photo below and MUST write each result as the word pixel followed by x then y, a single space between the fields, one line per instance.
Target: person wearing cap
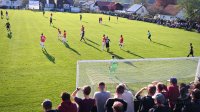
pixel 146 102
pixel 47 106
pixel 67 105
pixel 117 97
pixel 194 106
pixel 173 92
pixel 159 100
pixel 101 97
pixel 86 104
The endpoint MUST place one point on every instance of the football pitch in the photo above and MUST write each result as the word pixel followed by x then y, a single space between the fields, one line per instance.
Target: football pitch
pixel 28 75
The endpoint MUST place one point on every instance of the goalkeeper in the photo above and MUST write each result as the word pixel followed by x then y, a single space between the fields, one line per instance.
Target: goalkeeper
pixel 113 65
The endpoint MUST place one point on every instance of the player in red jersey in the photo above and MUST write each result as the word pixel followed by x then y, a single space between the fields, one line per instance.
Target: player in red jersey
pixel 121 41
pixel 103 41
pixel 42 40
pixel 59 34
pixel 64 36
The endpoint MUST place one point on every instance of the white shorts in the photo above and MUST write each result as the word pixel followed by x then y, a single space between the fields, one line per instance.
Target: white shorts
pixel 59 35
pixel 42 43
pixel 103 43
pixel 64 39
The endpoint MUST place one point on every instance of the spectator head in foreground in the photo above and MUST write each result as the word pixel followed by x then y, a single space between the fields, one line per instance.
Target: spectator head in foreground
pixel 118 107
pixel 66 105
pixel 159 99
pixel 173 80
pixel 102 86
pixel 86 90
pixel 196 94
pixel 47 105
pixel 65 96
pixel 151 89
pixel 120 90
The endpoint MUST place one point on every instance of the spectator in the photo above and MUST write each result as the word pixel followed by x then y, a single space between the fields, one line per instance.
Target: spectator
pixel 118 97
pixel 101 97
pixel 183 99
pixel 159 100
pixel 128 97
pixel 87 104
pixel 47 106
pixel 67 105
pixel 194 106
pixel 118 107
pixel 173 92
pixel 147 102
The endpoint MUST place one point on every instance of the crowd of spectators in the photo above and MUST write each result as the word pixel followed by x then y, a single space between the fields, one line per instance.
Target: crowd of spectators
pixel 156 97
pixel 182 24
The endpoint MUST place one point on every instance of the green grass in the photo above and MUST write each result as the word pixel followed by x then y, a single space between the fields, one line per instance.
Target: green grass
pixel 28 76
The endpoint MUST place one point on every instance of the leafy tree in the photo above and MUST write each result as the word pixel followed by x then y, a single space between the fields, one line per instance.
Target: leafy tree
pixel 192 8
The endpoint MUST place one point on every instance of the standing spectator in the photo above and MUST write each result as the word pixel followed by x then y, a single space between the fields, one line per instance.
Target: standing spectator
pixel 118 97
pixel 86 104
pixel 183 99
pixel 147 101
pixel 194 106
pixel 173 92
pixel 118 107
pixel 128 97
pixel 159 100
pixel 67 105
pixel 101 97
pixel 47 106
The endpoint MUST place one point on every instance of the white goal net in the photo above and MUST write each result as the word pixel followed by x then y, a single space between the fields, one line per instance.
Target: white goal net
pixel 135 72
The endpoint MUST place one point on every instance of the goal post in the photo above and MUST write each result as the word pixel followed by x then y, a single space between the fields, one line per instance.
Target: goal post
pixel 135 72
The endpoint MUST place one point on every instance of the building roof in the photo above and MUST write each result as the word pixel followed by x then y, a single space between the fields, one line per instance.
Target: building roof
pixel 171 10
pixel 134 8
pixel 107 6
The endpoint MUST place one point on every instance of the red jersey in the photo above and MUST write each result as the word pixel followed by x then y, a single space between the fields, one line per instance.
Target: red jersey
pixel 65 34
pixel 121 40
pixel 103 39
pixel 43 38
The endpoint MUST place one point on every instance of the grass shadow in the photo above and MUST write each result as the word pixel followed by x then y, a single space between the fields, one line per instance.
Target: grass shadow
pixel 132 53
pixel 119 57
pixel 84 21
pixel 67 46
pixel 92 46
pixel 106 25
pixel 50 57
pixel 92 42
pixel 9 35
pixel 54 27
pixel 161 44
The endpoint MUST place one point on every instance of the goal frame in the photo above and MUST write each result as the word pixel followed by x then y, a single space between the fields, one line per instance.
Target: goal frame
pixel 136 60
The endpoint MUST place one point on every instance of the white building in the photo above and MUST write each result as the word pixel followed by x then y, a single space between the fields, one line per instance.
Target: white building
pixel 172 12
pixel 90 5
pixel 138 9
